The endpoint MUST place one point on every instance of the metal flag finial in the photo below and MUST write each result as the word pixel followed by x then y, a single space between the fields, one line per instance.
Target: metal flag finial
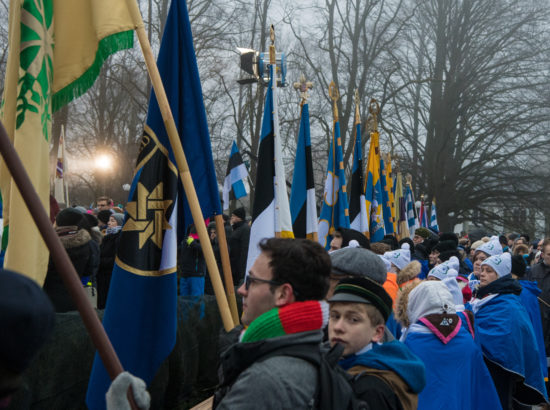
pixel 303 86
pixel 334 96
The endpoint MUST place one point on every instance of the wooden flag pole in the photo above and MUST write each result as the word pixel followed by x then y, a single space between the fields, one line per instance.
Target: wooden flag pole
pixel 182 165
pixel 59 256
pixel 226 265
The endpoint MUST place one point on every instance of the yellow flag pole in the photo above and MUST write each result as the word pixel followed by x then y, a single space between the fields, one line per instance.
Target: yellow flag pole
pixel 182 164
pixel 226 266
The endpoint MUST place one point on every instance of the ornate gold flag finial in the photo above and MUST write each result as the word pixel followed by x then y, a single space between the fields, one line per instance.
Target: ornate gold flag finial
pixel 374 110
pixel 303 86
pixel 357 114
pixel 334 96
pixel 409 179
pixel 272 58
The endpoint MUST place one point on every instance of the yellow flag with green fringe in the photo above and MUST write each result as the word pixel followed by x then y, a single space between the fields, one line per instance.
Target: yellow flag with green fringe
pixel 56 49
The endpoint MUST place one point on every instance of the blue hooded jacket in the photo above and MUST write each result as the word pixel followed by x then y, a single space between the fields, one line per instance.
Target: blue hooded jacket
pixel 393 356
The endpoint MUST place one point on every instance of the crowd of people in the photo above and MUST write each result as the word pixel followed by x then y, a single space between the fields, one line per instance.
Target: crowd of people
pixel 437 321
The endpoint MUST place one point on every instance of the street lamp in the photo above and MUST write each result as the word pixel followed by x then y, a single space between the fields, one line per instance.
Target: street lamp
pixel 104 163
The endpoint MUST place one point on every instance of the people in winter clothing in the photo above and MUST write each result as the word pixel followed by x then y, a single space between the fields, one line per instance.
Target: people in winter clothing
pixel 238 245
pixel 506 336
pixel 73 231
pixel 343 236
pixel 387 375
pixel 107 255
pixel 192 269
pixel 456 376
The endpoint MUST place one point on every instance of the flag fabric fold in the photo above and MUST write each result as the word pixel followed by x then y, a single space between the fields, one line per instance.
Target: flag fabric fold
pixel 433 217
pixel 357 203
pixel 61 193
pixel 412 219
pixel 402 223
pixel 423 214
pixel 271 209
pixel 233 187
pixel 386 190
pixel 302 195
pixel 140 315
pixel 52 60
pixel 335 210
pixel 373 192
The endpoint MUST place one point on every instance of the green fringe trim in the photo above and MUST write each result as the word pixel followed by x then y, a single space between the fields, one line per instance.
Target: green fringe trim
pixel 5 237
pixel 106 47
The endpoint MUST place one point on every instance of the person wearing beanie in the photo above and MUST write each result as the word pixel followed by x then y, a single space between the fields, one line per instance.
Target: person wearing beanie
pixel 420 234
pixel 238 244
pixel 103 218
pixel 506 335
pixel 399 258
pixel 27 319
pixel 75 235
pixel 343 236
pixel 445 270
pixel 386 375
pixel 456 376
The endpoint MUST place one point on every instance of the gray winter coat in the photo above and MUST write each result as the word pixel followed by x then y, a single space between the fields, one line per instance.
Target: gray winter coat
pixel 277 382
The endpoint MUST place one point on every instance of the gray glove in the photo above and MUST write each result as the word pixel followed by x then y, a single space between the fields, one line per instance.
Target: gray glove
pixel 116 396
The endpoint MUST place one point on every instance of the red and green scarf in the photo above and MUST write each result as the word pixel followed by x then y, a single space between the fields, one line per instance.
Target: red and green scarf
pixel 293 318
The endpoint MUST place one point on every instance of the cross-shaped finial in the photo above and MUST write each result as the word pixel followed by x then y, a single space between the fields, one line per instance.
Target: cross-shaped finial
pixel 303 86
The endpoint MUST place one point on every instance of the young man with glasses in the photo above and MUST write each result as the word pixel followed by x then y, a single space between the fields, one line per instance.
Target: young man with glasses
pixel 283 308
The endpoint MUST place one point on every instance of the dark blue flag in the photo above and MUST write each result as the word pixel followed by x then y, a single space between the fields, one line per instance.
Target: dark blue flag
pixel 140 316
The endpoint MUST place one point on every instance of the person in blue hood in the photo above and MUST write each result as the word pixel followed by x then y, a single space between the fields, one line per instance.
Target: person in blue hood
pixel 456 376
pixel 388 375
pixel 506 336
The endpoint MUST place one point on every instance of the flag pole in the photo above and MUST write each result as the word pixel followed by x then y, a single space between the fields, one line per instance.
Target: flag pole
pixel 59 256
pixel 182 165
pixel 226 266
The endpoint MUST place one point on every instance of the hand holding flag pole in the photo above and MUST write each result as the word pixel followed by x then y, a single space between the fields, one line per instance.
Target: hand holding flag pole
pixel 183 166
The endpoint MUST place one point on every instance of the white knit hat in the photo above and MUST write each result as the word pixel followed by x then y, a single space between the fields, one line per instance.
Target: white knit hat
pixel 491 248
pixel 454 288
pixel 386 262
pixel 400 257
pixel 446 269
pixel 502 264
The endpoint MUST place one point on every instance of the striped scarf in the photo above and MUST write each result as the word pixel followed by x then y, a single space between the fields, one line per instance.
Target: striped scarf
pixel 293 318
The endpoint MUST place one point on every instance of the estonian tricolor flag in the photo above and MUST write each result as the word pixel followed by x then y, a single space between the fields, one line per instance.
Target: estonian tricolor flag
pixel 271 211
pixel 302 195
pixel 233 187
pixel 357 205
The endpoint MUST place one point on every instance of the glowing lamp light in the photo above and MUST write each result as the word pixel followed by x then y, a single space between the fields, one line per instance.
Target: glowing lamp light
pixel 103 162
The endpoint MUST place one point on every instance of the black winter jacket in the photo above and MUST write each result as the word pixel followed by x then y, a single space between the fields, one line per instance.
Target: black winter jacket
pixel 540 273
pixel 84 254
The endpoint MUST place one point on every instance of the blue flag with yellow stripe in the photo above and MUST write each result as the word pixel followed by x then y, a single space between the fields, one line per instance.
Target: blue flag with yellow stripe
pixel 334 211
pixel 373 192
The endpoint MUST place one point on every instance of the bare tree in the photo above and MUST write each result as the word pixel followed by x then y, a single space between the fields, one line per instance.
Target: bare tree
pixel 470 133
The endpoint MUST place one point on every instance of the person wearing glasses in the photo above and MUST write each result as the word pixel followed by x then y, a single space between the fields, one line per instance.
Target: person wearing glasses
pixel 283 308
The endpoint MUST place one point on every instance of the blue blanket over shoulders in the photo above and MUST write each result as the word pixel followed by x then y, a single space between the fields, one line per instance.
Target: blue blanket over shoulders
pixel 456 375
pixel 506 336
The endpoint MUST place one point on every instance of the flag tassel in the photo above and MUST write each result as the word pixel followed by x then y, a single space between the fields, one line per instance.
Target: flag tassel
pixel 182 165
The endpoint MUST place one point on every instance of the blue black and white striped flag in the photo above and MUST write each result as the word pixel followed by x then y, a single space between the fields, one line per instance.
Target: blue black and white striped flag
pixel 433 217
pixel 302 195
pixel 233 186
